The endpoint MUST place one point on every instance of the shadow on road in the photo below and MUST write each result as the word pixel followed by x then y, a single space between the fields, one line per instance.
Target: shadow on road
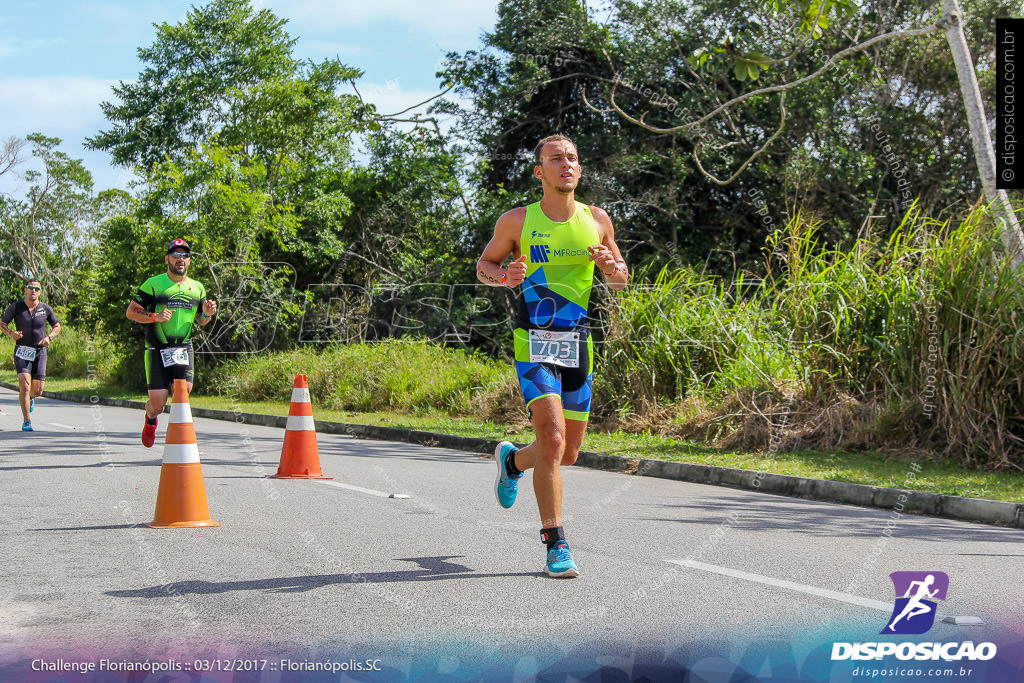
pixel 101 527
pixel 830 519
pixel 147 463
pixel 432 569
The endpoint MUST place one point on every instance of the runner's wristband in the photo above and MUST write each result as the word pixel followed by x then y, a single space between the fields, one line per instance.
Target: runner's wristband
pixel 503 276
pixel 152 317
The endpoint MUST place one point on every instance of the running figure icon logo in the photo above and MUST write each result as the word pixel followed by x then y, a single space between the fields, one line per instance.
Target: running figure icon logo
pixel 916 592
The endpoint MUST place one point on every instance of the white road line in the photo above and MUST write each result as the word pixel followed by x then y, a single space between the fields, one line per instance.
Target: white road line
pixel 58 424
pixel 789 585
pixel 820 592
pixel 360 489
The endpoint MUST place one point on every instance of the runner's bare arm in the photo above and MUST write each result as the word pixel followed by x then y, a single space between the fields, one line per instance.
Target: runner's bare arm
pixel 13 334
pixel 606 256
pixel 209 310
pixel 505 242
pixel 136 313
pixel 54 331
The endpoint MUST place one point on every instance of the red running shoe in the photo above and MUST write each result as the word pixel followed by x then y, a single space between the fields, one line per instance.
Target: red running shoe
pixel 149 433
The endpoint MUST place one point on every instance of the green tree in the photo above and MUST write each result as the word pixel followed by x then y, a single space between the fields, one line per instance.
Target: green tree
pixel 791 44
pixel 245 151
pixel 525 83
pixel 45 235
pixel 198 80
pixel 842 146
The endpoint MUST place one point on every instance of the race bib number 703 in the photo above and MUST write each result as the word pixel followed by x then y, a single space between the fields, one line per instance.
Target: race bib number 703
pixel 557 348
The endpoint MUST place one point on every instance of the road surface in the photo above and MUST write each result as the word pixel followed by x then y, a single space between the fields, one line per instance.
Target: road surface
pixel 444 583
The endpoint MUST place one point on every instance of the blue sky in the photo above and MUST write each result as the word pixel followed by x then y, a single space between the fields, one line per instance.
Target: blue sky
pixel 59 59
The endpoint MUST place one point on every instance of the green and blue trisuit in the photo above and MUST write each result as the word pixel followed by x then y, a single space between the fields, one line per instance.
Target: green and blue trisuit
pixel 553 350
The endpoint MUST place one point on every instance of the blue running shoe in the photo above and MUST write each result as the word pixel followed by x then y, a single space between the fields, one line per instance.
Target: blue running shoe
pixel 31 405
pixel 27 426
pixel 560 564
pixel 506 487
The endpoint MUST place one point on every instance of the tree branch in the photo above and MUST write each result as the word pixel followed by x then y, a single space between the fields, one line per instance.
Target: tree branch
pixel 10 153
pixel 362 101
pixel 12 270
pixel 860 47
pixel 757 152
pixel 359 256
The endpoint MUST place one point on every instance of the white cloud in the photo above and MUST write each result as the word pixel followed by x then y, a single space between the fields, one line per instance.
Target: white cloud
pixel 120 18
pixel 443 19
pixel 15 46
pixel 328 47
pixel 65 106
pixel 391 98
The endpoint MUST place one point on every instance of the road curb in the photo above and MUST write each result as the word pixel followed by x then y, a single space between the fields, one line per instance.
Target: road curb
pixel 994 512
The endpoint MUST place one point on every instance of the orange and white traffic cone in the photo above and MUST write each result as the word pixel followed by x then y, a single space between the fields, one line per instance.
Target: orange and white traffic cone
pixel 300 457
pixel 181 499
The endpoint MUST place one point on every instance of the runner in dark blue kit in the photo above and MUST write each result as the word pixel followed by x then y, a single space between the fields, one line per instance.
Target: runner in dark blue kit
pixel 30 318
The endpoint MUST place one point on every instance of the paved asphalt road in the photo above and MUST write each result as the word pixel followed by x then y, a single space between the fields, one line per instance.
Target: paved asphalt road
pixel 445 583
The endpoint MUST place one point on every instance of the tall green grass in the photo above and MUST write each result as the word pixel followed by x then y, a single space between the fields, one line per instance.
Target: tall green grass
pixel 927 321
pixel 75 353
pixel 389 375
pixel 684 333
pixel 921 331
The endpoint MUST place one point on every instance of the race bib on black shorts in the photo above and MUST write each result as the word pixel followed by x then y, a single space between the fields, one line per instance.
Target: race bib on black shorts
pixel 174 355
pixel 26 353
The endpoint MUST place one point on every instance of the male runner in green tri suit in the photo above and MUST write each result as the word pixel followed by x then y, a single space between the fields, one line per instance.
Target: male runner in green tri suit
pixel 555 244
pixel 168 304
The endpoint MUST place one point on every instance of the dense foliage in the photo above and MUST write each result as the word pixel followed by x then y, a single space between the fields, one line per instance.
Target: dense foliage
pixel 249 153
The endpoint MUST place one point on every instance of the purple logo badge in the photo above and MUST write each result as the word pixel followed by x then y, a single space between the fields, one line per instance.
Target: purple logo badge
pixel 916 592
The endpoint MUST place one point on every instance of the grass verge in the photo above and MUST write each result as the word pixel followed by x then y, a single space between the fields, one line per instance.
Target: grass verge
pixel 936 475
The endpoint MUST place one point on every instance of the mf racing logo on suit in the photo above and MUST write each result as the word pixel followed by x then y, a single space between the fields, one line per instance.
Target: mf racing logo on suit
pixel 540 253
pixel 572 252
pixel 916 592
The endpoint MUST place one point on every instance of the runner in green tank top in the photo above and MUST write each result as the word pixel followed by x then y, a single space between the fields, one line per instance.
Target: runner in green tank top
pixel 168 305
pixel 556 245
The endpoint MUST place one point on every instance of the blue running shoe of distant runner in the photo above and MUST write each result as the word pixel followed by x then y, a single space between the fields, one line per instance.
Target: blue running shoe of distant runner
pixel 560 564
pixel 506 486
pixel 27 426
pixel 31 405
